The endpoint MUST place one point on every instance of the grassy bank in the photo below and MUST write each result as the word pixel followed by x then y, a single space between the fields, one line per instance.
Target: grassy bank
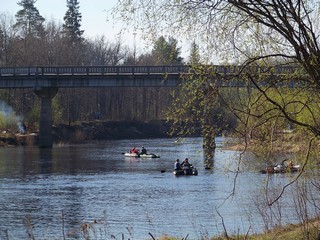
pixel 307 231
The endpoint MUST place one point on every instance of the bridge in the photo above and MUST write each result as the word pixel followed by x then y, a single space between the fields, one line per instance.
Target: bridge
pixel 115 76
pixel 45 82
pixel 90 76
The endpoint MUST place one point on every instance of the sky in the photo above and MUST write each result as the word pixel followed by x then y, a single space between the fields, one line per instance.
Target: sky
pixel 96 20
pixel 95 16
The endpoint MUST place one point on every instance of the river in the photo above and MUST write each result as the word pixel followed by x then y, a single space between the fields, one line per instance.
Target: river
pixel 70 191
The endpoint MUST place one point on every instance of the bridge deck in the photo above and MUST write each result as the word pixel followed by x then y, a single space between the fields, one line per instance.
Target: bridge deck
pixel 111 76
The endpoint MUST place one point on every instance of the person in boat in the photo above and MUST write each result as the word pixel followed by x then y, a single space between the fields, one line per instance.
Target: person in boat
pixel 290 164
pixel 186 164
pixel 282 166
pixel 177 165
pixel 143 150
pixel 134 150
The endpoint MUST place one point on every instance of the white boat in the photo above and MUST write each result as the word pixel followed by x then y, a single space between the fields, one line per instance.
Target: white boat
pixel 148 155
pixel 281 169
pixel 131 154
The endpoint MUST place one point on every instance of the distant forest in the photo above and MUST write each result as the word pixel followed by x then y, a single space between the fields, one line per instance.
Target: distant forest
pixel 28 39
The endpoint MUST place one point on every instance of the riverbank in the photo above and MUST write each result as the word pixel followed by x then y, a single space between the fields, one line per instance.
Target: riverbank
pixel 282 143
pixel 309 230
pixel 89 131
pixel 81 132
pixel 106 130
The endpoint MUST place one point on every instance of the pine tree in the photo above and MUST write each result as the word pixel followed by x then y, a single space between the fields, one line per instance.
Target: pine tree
pixel 72 21
pixel 1 46
pixel 166 52
pixel 194 58
pixel 29 19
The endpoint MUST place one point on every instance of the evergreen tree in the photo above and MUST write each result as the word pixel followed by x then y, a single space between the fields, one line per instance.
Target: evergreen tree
pixel 194 58
pixel 72 21
pixel 166 52
pixel 29 19
pixel 1 46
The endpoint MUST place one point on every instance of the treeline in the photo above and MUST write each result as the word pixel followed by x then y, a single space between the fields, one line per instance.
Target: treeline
pixel 28 39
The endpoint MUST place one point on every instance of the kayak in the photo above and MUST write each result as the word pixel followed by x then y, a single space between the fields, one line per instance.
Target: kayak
pixel 148 155
pixel 186 172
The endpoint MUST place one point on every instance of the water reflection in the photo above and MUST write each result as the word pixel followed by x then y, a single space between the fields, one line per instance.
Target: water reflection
pixel 71 184
pixel 208 158
pixel 45 160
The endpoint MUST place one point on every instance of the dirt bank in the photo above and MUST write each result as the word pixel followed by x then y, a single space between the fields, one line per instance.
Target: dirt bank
pixel 99 130
pixel 88 131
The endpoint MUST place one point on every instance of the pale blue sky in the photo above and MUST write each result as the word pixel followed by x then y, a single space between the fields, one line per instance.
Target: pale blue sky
pixel 96 19
pixel 94 14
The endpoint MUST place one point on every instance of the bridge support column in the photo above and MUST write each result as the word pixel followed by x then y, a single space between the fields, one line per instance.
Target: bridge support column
pixel 45 124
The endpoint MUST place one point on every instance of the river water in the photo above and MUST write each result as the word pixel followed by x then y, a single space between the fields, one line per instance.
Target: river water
pixel 73 190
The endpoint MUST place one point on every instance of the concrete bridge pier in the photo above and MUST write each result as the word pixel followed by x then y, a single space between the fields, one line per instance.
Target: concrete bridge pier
pixel 45 124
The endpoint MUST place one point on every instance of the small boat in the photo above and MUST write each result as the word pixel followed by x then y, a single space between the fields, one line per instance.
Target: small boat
pixel 186 171
pixel 281 169
pixel 127 154
pixel 148 155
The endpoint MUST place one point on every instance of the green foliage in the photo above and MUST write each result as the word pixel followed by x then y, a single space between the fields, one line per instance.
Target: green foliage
pixel 266 114
pixel 296 107
pixel 56 111
pixel 8 121
pixel 166 52
pixel 34 114
pixel 2 120
pixel 197 106
pixel 194 58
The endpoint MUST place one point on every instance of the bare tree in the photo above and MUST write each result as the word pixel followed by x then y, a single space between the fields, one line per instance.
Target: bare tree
pixel 7 35
pixel 273 47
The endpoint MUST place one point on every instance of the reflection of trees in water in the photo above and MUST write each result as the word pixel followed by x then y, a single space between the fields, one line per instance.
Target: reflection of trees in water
pixel 208 154
pixel 72 211
pixel 71 208
pixel 45 160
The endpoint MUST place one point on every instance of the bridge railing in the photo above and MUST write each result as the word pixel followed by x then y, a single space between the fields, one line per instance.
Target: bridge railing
pixel 91 70
pixel 132 70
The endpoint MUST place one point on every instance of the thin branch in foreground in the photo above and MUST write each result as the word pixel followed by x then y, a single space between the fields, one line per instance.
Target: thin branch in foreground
pixel 224 226
pixel 151 236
